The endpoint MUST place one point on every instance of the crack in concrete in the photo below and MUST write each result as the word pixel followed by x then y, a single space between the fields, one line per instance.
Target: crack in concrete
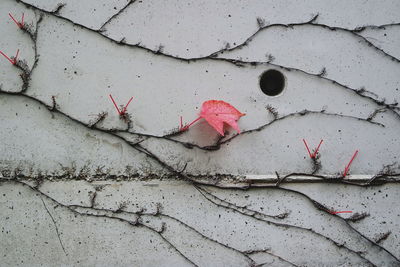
pixel 55 226
pixel 379 178
pixel 130 2
pixel 116 215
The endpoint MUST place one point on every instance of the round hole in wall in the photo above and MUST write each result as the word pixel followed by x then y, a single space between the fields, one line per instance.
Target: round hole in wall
pixel 272 82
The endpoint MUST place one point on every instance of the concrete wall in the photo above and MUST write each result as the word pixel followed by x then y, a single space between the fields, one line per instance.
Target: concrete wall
pixel 82 185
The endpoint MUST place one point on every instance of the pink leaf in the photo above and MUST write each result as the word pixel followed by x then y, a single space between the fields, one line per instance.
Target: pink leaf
pixel 217 112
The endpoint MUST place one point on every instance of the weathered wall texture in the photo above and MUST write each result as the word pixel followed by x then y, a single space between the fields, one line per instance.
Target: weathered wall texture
pixel 81 185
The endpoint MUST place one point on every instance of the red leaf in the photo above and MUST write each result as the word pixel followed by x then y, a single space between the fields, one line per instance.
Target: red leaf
pixel 217 112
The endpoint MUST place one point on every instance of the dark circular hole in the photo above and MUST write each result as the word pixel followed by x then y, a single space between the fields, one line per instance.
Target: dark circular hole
pixel 272 82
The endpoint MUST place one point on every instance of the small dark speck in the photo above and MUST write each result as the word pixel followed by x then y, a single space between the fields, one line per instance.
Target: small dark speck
pixel 229 15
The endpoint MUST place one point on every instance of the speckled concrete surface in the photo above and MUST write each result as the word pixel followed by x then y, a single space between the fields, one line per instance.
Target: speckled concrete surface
pixel 81 185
